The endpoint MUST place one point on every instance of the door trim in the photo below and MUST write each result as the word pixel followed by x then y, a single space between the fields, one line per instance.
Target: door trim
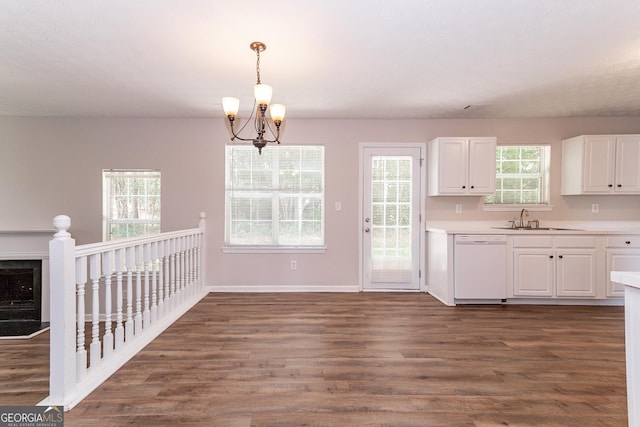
pixel 423 196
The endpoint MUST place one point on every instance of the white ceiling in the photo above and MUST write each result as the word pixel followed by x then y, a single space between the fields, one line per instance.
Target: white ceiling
pixel 325 58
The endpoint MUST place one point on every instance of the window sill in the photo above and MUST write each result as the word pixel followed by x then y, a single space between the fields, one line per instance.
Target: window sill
pixel 517 208
pixel 274 250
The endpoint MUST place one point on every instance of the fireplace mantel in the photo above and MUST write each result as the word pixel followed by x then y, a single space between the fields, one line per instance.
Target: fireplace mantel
pixel 29 244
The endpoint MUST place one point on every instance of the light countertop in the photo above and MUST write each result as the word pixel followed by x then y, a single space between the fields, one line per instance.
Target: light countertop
pixel 502 227
pixel 628 278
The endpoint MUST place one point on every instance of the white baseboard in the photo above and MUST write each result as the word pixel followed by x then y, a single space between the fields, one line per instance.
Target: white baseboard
pixel 280 288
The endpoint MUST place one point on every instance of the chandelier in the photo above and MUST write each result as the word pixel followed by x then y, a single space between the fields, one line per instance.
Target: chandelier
pixel 262 93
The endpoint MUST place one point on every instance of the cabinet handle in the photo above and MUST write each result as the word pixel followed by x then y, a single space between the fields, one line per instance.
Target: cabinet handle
pixel 560 256
pixel 610 185
pixel 472 186
pixel 628 242
pixel 464 186
pixel 619 185
pixel 550 256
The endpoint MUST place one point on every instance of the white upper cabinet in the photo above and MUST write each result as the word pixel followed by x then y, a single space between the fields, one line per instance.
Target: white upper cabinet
pixel 601 164
pixel 460 166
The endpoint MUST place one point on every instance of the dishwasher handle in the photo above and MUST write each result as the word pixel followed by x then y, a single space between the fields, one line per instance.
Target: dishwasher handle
pixel 480 239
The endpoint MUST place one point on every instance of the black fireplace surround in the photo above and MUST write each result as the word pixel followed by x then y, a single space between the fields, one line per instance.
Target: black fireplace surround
pixel 20 296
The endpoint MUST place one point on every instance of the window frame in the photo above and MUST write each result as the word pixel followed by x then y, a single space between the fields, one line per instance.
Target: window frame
pixel 545 187
pixel 275 195
pixel 107 199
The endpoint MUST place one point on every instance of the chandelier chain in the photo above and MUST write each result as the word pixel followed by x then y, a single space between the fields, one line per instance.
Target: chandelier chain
pixel 258 65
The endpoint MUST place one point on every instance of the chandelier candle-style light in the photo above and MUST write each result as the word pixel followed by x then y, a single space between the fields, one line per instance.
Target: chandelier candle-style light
pixel 262 93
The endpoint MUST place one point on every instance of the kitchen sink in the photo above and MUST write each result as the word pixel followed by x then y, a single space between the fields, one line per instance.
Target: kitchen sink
pixel 537 229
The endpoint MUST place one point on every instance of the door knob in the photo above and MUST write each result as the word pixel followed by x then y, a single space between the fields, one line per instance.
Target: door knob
pixel 366 230
pixel 367 220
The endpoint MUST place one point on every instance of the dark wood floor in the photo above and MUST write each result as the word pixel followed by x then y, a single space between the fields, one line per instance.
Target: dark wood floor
pixel 366 359
pixel 24 370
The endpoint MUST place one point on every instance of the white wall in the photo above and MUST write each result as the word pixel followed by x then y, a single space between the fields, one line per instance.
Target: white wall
pixel 53 166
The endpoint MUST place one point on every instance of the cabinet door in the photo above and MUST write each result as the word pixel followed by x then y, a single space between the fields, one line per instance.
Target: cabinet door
pixel 533 271
pixel 627 171
pixel 482 166
pixel 453 165
pixel 620 260
pixel 599 152
pixel 576 272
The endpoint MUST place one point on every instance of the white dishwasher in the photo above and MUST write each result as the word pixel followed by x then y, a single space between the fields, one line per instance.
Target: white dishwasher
pixel 480 267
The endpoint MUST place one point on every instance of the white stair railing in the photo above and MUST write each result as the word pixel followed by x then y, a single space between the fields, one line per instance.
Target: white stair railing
pixel 95 329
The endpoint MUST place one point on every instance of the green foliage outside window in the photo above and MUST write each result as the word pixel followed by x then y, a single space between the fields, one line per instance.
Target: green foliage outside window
pixel 521 175
pixel 131 203
pixel 276 198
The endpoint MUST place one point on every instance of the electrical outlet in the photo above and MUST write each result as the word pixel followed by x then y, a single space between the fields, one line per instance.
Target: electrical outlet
pixel 294 264
pixel 458 208
pixel 595 208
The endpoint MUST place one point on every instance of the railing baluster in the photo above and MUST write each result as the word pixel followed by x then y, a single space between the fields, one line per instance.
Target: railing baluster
pixel 95 273
pixel 145 260
pixel 107 340
pixel 153 257
pixel 129 328
pixel 198 257
pixel 161 278
pixel 119 268
pixel 81 352
pixel 180 263
pixel 167 274
pixel 201 257
pixel 202 249
pixel 138 316
pixel 190 264
pixel 172 269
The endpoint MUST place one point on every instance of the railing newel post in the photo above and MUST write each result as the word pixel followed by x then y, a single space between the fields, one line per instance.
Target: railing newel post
pixel 62 377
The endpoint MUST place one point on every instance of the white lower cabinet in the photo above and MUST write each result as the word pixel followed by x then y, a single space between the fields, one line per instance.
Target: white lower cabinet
pixel 623 254
pixel 533 272
pixel 555 266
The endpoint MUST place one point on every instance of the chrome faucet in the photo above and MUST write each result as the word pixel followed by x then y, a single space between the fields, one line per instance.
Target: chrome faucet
pixel 523 212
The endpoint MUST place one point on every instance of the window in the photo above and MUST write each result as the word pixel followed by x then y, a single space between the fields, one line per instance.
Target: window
pixel 522 176
pixel 131 203
pixel 275 199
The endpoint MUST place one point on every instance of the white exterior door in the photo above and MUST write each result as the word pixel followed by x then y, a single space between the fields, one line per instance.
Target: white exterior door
pixel 391 222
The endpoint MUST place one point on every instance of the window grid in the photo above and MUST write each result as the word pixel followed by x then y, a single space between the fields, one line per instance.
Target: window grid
pixel 277 198
pixel 391 204
pixel 131 203
pixel 521 175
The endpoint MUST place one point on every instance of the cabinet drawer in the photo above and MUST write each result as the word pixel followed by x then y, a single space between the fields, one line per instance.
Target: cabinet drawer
pixel 576 241
pixel 532 241
pixel 630 241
